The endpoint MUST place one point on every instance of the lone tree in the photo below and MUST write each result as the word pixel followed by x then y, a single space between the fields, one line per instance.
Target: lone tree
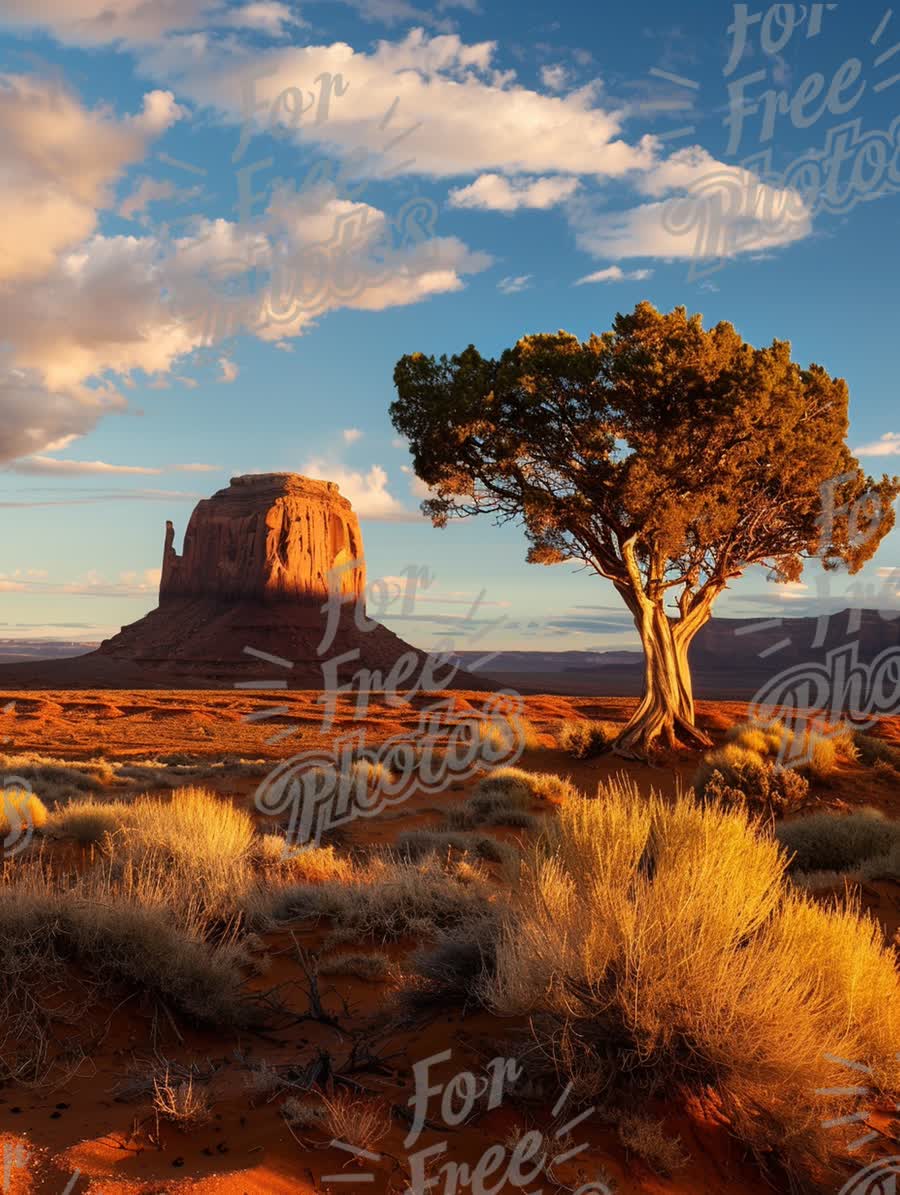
pixel 665 457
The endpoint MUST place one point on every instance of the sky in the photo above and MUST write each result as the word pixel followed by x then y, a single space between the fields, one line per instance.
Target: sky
pixel 224 222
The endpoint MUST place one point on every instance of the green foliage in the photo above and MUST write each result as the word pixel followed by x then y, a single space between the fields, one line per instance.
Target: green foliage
pixel 684 437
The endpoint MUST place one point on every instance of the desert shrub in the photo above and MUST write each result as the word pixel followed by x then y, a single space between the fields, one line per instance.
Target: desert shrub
pixel 765 738
pixel 873 751
pixel 525 732
pixel 389 898
pixel 362 965
pixel 119 933
pixel 303 1114
pixel 181 1102
pixel 355 1120
pixel 87 820
pixel 736 775
pixel 202 843
pixel 20 812
pixel 646 1137
pixel 505 796
pixel 56 779
pixel 655 943
pixel 417 844
pixel 583 737
pixel 883 867
pixel 838 842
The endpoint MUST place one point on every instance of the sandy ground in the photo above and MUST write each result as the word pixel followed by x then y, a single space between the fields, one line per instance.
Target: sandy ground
pixel 84 1137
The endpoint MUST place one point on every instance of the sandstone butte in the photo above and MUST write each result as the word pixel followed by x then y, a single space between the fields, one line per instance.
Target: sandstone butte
pixel 257 566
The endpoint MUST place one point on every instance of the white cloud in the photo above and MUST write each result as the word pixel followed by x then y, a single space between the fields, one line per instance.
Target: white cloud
pixel 351 435
pixel 555 77
pixel 367 491
pixel 713 211
pixel 115 305
pixel 512 285
pixel 228 370
pixel 494 193
pixel 458 114
pixel 60 160
pixel 265 16
pixel 48 466
pixel 147 191
pixel 886 445
pixel 615 274
pixel 97 22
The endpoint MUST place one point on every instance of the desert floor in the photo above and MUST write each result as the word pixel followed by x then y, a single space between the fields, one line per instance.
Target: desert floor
pixel 84 1134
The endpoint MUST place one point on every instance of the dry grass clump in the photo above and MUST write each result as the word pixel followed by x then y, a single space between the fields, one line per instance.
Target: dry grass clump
pixel 21 813
pixel 302 864
pixel 56 779
pixel 87 820
pixel 864 840
pixel 736 775
pixel 525 732
pixel 584 737
pixel 391 897
pixel 368 964
pixel 817 753
pixel 657 943
pixel 122 930
pixel 355 1120
pixel 646 1137
pixel 418 844
pixel 505 797
pixel 180 1102
pixel 877 753
pixel 303 1114
pixel 60 780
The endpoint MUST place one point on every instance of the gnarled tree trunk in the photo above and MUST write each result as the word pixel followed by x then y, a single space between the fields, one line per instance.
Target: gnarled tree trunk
pixel 666 710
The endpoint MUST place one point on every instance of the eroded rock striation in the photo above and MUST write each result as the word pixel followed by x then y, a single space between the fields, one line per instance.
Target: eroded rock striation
pixel 267 537
pixel 259 562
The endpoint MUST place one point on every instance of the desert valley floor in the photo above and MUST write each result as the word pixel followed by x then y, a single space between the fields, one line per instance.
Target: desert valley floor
pixel 92 1128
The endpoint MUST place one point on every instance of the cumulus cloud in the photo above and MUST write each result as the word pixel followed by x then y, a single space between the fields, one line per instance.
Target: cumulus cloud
pixel 59 162
pixel 494 193
pixel 147 191
pixel 555 77
pixel 712 210
pixel 228 370
pixel 264 16
pixel 352 434
pixel 367 491
pixel 886 445
pixel 456 112
pixel 615 274
pixel 115 305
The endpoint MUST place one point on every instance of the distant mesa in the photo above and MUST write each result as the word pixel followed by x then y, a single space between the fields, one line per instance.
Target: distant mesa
pixel 258 563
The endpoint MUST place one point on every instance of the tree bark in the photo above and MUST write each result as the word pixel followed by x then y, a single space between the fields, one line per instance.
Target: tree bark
pixel 666 709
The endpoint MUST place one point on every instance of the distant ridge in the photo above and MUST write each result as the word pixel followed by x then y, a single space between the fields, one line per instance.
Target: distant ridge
pixel 731 657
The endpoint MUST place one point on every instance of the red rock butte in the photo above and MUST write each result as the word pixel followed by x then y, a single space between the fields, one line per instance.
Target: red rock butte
pixel 259 561
pixel 267 537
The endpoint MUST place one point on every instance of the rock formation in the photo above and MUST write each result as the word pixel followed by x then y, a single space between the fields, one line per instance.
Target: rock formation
pixel 259 561
pixel 267 537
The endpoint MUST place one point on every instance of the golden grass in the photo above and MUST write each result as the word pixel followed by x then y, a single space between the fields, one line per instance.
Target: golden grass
pixel 355 1120
pixel 21 812
pixel 584 737
pixel 666 945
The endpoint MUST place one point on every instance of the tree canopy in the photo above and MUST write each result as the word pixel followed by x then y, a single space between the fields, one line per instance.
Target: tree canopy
pixel 665 456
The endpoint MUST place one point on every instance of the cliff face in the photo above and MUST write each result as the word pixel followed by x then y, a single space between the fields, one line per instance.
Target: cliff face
pixel 267 537
pixel 252 581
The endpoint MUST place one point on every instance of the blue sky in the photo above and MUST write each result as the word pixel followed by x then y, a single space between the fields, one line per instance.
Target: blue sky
pixel 489 172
